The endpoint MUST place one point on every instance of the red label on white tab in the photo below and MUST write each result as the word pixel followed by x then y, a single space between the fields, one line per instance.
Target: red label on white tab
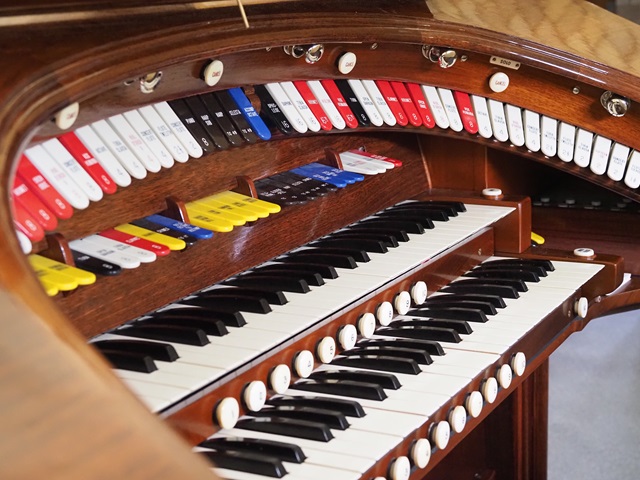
pixel 396 163
pixel 88 162
pixel 341 104
pixel 43 189
pixel 463 101
pixel 33 205
pixel 26 223
pixel 314 105
pixel 421 104
pixel 392 100
pixel 158 249
pixel 407 103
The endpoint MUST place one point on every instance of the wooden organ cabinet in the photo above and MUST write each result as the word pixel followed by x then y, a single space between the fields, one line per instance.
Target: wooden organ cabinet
pixel 563 72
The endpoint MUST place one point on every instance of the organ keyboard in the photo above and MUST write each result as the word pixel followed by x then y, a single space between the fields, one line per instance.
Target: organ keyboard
pixel 304 247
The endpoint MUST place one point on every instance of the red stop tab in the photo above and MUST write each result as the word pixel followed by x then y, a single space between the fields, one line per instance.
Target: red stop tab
pixel 33 205
pixel 421 104
pixel 392 100
pixel 158 249
pixel 314 105
pixel 341 104
pixel 26 223
pixel 43 189
pixel 463 102
pixel 88 162
pixel 407 103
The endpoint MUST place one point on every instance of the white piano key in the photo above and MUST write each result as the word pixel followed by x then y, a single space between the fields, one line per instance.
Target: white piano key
pixel 583 147
pixel 57 177
pixel 549 136
pixel 119 149
pixel 165 392
pixel 618 161
pixel 381 104
pixel 451 109
pixel 436 106
pixel 103 155
pixel 151 140
pixel 165 134
pixel 566 141
pixel 481 111
pixel 135 143
pixel 366 101
pixel 285 104
pixel 531 130
pixel 301 106
pixel 183 135
pixel 144 256
pixel 327 104
pixel 600 155
pixel 498 120
pixel 514 124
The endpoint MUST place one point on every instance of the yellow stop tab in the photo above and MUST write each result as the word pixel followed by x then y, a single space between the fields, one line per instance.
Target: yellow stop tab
pixel 200 219
pixel 217 213
pixel 81 276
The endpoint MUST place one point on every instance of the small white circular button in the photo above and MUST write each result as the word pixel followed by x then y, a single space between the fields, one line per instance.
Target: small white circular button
pixel 490 389
pixel 66 117
pixel 581 307
pixel 440 434
pixel 280 378
pixel 519 363
pixel 458 418
pixel 491 192
pixel 254 395
pixel 419 292
pixel 498 82
pixel 504 376
pixel 367 325
pixel 421 452
pixel 347 337
pixel 227 412
pixel 303 363
pixel 402 302
pixel 347 62
pixel 400 469
pixel 384 313
pixel 213 72
pixel 584 252
pixel 326 349
pixel 474 404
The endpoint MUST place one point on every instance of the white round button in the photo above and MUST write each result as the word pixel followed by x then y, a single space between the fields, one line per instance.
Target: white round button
pixel 581 307
pixel 490 389
pixel 66 117
pixel 402 302
pixel 474 404
pixel 440 434
pixel 347 337
pixel 458 418
pixel 584 252
pixel 347 62
pixel 400 469
pixel 519 363
pixel 419 292
pixel 384 313
pixel 367 325
pixel 326 349
pixel 498 82
pixel 280 378
pixel 227 412
pixel 421 452
pixel 491 192
pixel 303 363
pixel 504 376
pixel 213 72
pixel 254 395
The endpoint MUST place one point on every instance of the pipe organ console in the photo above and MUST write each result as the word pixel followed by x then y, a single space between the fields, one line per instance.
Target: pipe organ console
pixel 305 239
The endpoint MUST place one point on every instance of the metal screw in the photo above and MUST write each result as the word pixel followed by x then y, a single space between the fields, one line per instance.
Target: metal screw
pixel 374 46
pixel 576 90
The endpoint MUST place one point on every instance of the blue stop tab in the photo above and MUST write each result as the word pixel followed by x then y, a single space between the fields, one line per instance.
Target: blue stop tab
pixel 250 114
pixel 197 232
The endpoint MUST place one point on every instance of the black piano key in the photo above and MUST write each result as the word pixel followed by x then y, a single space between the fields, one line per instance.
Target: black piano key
pixel 219 115
pixel 287 426
pixel 287 452
pixel 451 301
pixel 230 319
pixel 402 225
pixel 309 256
pixel 489 267
pixel 432 213
pixel 381 363
pixel 418 355
pixel 156 227
pixel 215 328
pixel 131 361
pixel 235 114
pixel 546 264
pixel 357 254
pixel 95 265
pixel 333 419
pixel 428 346
pixel 167 333
pixel 449 210
pixel 312 278
pixel 156 350
pixel 270 111
pixel 495 300
pixel 519 274
pixel 504 291
pixel 345 388
pixel 185 114
pixel 326 271
pixel 273 296
pixel 422 220
pixel 249 462
pixel 457 206
pixel 352 101
pixel 459 326
pixel 350 408
pixel 517 285
pixel 271 282
pixel 368 245
pixel 449 313
pixel 383 379
pixel 399 234
pixel 203 116
pixel 389 241
pixel 229 303
pixel 437 334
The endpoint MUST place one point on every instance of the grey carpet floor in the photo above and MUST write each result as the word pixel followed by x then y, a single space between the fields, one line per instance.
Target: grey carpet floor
pixel 594 402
